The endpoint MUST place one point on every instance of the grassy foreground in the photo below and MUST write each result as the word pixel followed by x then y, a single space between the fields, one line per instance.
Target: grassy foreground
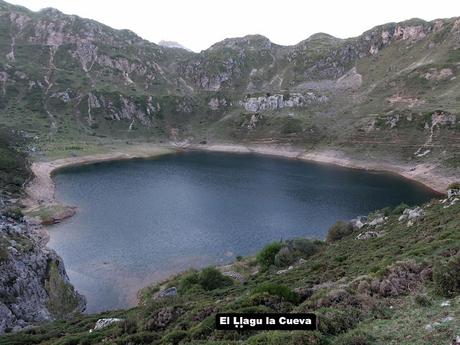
pixel 402 287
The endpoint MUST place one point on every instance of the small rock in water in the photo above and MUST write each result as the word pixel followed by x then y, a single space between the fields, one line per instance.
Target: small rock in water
pixel 103 323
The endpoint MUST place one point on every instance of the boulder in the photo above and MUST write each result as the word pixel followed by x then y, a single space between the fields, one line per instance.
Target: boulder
pixel 170 292
pixel 103 323
pixel 412 214
pixel 368 234
pixel 234 275
pixel 451 193
pixel 359 222
pixel 377 221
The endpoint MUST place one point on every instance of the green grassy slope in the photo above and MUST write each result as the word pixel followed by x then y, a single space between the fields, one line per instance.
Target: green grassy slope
pixel 385 290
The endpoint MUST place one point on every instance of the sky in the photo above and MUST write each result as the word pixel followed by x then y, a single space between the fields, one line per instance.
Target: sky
pixel 197 24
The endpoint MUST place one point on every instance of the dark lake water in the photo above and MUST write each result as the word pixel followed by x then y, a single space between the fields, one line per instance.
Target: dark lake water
pixel 142 220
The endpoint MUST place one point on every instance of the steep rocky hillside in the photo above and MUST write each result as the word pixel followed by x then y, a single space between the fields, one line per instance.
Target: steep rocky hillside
pixel 392 92
pixel 34 286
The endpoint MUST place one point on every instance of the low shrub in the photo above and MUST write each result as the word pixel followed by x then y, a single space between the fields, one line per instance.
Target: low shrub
pixel 334 321
pixel 399 209
pixel 139 338
pixel 355 337
pixel 204 328
pixel 422 300
pixel 285 338
pixel 446 276
pixel 13 212
pixel 128 326
pixel 338 231
pixel 284 257
pixel 174 337
pixel 292 250
pixel 3 250
pixel 266 257
pixel 211 278
pixel 277 290
pixel 189 279
pixel 454 185
pixel 305 247
pixel 208 279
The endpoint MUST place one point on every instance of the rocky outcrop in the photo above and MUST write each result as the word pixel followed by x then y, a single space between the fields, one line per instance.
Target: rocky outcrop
pixel 279 101
pixel 217 103
pixel 397 279
pixel 34 286
pixel 103 323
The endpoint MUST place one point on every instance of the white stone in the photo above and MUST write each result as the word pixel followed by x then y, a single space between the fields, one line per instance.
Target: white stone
pixel 103 323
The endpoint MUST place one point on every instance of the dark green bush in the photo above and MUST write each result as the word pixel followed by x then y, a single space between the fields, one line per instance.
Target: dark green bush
pixel 446 276
pixel 422 300
pixel 286 338
pixel 139 338
pixel 292 250
pixel 3 250
pixel 338 231
pixel 211 278
pixel 399 209
pixel 191 278
pixel 13 212
pixel 386 211
pixel 208 279
pixel 455 185
pixel 355 337
pixel 277 290
pixel 334 321
pixel 284 257
pixel 174 337
pixel 128 326
pixel 305 247
pixel 266 257
pixel 204 328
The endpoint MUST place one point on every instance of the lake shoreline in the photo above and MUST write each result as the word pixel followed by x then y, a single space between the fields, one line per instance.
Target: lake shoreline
pixel 40 192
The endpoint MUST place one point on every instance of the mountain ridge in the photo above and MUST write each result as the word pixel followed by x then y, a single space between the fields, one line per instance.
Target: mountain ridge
pixel 90 83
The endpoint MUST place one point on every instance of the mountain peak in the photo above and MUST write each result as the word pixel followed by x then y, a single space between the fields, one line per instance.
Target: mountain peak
pixel 254 41
pixel 172 44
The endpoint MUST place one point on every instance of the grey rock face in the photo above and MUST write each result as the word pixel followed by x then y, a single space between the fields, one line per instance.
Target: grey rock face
pixel 377 221
pixel 451 193
pixel 26 269
pixel 410 214
pixel 278 101
pixel 170 292
pixel 103 323
pixel 368 234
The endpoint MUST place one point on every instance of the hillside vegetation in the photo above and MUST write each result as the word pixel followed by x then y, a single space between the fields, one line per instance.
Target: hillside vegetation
pixel 400 287
pixel 391 93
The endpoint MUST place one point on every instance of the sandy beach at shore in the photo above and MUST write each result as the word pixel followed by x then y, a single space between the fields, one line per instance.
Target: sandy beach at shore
pixel 41 190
